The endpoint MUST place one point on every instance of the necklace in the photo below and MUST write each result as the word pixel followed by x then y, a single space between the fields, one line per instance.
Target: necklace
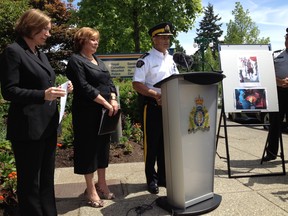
pixel 34 51
pixel 89 58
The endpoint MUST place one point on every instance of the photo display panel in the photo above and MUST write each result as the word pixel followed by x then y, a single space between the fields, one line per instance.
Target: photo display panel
pixel 250 83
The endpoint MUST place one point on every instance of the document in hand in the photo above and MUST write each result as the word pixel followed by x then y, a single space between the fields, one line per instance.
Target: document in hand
pixel 108 123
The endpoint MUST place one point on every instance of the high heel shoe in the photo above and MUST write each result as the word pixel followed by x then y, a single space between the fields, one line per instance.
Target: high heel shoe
pixel 94 204
pixel 103 195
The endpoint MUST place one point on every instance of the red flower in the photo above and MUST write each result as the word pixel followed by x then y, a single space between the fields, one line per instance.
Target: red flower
pixel 12 175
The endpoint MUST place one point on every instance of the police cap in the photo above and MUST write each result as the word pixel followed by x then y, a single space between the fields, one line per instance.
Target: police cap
pixel 161 29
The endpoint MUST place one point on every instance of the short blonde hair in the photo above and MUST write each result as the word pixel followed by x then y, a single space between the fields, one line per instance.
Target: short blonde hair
pixel 31 22
pixel 82 35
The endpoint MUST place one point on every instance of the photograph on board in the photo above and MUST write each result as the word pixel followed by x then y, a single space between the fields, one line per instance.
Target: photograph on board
pixel 250 99
pixel 248 70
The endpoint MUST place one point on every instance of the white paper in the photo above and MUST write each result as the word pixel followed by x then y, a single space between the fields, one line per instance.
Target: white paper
pixel 63 101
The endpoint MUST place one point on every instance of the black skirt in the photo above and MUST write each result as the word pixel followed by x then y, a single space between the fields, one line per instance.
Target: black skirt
pixel 91 151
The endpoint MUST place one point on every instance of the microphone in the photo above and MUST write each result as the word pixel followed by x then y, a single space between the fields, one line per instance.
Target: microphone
pixel 186 61
pixel 183 60
pixel 217 71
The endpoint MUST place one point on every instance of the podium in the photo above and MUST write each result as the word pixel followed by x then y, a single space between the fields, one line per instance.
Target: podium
pixel 189 107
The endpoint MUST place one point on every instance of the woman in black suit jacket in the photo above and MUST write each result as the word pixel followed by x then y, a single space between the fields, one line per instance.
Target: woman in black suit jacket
pixel 27 81
pixel 93 90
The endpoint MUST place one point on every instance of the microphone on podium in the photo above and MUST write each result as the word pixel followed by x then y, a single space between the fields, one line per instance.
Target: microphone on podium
pixel 186 61
pixel 183 60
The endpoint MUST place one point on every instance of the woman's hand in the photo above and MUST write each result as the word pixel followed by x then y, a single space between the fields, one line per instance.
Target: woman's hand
pixel 111 110
pixel 53 93
pixel 111 106
pixel 115 106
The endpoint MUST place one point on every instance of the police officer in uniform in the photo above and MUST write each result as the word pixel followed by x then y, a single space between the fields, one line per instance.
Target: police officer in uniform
pixel 151 68
pixel 276 118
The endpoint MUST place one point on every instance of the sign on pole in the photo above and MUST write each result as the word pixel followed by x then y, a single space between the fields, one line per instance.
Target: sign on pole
pixel 120 65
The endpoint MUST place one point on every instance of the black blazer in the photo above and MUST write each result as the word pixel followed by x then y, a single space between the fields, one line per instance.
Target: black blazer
pixel 89 80
pixel 24 78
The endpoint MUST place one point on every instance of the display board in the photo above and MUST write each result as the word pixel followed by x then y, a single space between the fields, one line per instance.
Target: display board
pixel 250 83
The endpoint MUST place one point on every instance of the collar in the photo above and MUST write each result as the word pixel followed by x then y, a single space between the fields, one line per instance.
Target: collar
pixel 158 53
pixel 22 43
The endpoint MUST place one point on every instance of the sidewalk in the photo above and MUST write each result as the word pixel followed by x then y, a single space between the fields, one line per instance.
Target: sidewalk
pixel 265 196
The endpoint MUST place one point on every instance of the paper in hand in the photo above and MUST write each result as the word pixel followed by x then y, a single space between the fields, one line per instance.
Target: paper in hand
pixel 63 101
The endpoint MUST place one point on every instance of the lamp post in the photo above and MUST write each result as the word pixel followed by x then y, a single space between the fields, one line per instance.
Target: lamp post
pixel 201 43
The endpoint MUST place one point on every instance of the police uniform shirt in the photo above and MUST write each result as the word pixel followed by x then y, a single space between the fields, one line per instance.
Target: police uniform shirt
pixel 154 67
pixel 281 65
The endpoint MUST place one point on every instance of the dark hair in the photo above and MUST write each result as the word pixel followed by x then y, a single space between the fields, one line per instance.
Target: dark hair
pixel 31 22
pixel 82 35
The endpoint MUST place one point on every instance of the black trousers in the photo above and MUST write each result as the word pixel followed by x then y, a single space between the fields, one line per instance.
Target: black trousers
pixel 35 164
pixel 153 144
pixel 276 122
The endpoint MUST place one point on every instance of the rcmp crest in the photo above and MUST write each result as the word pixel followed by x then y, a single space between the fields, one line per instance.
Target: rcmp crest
pixel 167 28
pixel 199 117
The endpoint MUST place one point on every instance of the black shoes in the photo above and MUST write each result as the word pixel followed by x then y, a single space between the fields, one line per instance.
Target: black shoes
pixel 153 188
pixel 268 158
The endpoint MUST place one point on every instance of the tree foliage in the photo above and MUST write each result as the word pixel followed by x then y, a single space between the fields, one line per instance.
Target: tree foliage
pixel 124 24
pixel 242 30
pixel 208 33
pixel 209 29
pixel 9 13
pixel 59 46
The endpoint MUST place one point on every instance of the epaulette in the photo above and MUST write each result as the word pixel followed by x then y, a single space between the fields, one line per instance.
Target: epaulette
pixel 278 51
pixel 144 55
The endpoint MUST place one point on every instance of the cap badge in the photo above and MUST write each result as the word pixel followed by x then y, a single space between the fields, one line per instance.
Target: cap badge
pixel 167 28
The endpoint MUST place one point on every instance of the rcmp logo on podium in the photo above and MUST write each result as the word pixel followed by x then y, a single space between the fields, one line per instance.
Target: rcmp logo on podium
pixel 199 117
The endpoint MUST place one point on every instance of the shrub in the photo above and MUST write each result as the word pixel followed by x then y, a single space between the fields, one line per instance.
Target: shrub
pixel 66 131
pixel 132 131
pixel 8 175
pixel 128 99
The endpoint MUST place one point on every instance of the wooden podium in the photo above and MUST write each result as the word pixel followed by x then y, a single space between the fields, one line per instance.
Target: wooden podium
pixel 189 103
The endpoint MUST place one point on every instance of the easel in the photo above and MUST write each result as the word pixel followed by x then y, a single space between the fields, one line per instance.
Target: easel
pixel 223 116
pixel 234 61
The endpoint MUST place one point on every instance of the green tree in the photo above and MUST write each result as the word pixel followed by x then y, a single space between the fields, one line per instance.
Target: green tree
pixel 124 24
pixel 212 62
pixel 59 46
pixel 178 47
pixel 242 30
pixel 9 13
pixel 209 29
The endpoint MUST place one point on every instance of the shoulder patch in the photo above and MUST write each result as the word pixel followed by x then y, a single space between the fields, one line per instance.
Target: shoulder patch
pixel 144 55
pixel 139 63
